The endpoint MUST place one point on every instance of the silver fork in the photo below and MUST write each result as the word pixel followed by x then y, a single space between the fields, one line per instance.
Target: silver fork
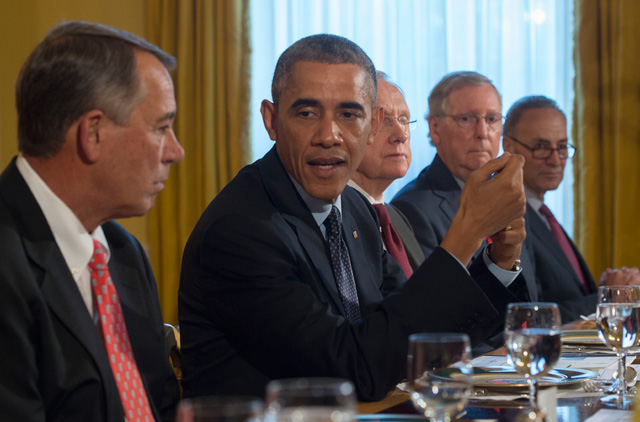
pixel 599 386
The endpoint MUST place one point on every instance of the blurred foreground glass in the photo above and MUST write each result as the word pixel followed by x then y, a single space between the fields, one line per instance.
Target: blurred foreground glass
pixel 220 409
pixel 310 400
pixel 439 373
pixel 533 342
pixel 618 319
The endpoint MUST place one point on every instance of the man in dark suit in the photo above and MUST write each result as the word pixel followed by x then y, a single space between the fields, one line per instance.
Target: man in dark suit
pixel 537 129
pixel 285 275
pixel 95 108
pixel 385 160
pixel 465 124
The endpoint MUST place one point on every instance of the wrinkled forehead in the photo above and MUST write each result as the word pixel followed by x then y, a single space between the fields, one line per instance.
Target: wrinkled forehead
pixel 365 79
pixel 320 82
pixel 475 98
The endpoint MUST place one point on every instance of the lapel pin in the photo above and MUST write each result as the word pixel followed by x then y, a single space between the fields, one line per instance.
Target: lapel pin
pixel 355 234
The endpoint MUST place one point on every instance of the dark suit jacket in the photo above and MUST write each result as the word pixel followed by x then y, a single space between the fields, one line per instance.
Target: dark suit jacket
pixel 258 299
pixel 558 281
pixel 430 202
pixel 409 241
pixel 53 364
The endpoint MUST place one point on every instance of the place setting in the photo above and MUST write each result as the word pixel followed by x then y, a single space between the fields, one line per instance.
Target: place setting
pixel 537 370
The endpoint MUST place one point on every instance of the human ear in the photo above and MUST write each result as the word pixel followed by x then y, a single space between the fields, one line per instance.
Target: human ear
pixel 269 118
pixel 87 131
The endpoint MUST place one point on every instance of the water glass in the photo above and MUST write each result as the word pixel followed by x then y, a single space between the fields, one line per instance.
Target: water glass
pixel 618 322
pixel 439 373
pixel 533 341
pixel 220 409
pixel 310 400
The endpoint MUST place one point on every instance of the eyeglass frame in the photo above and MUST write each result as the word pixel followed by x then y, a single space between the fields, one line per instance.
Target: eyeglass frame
pixel 406 127
pixel 571 150
pixel 456 118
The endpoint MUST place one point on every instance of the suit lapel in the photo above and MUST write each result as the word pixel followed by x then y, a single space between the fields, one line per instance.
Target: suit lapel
pixel 59 289
pixel 359 262
pixel 445 187
pixel 549 247
pixel 293 209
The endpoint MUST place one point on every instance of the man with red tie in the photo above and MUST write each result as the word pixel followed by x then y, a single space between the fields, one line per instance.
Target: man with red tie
pixel 536 128
pixel 80 322
pixel 385 160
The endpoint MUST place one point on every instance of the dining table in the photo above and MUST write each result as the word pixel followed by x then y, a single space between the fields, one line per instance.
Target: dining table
pixel 572 404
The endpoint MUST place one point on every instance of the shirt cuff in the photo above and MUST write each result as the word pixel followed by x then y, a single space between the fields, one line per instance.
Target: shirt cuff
pixel 505 277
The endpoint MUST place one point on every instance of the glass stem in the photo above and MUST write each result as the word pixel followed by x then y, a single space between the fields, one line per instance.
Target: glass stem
pixel 533 393
pixel 622 385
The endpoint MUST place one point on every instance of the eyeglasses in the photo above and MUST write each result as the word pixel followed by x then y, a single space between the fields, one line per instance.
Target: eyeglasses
pixel 543 152
pixel 470 120
pixel 405 124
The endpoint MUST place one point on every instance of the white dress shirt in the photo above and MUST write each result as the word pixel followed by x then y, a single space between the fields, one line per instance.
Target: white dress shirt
pixel 75 243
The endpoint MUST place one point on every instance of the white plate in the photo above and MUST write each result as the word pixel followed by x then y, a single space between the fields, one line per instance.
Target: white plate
pixel 506 376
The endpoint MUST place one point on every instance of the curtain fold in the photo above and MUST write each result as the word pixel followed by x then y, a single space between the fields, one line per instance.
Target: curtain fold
pixel 211 41
pixel 607 133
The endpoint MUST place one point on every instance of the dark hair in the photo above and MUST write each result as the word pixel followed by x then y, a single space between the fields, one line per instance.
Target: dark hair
pixel 322 48
pixel 519 107
pixel 79 66
pixel 438 98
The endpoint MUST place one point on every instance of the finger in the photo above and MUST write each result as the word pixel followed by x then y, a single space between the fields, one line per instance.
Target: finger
pixel 513 168
pixel 495 165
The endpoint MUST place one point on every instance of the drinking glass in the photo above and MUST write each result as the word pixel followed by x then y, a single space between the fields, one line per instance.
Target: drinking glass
pixel 533 342
pixel 618 319
pixel 310 400
pixel 220 409
pixel 439 373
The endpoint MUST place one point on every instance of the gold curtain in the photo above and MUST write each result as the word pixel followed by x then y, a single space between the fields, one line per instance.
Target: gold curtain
pixel 607 133
pixel 210 39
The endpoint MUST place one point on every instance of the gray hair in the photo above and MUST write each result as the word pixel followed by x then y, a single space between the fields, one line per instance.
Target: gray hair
pixel 382 76
pixel 322 48
pixel 438 99
pixel 519 107
pixel 78 67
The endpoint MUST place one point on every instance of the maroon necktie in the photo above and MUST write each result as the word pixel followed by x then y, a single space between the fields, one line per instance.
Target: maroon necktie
pixel 563 241
pixel 392 240
pixel 116 340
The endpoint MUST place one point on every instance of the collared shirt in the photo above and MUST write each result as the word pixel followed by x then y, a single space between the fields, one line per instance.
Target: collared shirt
pixel 320 209
pixel 535 203
pixel 75 243
pixel 364 193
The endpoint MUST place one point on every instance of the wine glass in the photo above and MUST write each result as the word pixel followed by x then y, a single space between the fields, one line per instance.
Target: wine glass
pixel 439 373
pixel 310 400
pixel 618 322
pixel 533 342
pixel 220 409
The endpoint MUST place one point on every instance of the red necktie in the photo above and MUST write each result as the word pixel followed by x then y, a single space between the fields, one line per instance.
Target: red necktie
pixel 562 240
pixel 123 364
pixel 392 240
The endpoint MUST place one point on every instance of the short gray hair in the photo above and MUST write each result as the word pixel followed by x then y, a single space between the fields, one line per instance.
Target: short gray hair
pixel 519 107
pixel 78 67
pixel 438 105
pixel 322 48
pixel 382 76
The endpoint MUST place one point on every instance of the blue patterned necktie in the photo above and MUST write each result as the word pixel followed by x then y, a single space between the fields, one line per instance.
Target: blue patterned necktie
pixel 341 263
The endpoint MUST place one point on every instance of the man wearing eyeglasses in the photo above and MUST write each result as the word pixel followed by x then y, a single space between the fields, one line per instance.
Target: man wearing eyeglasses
pixel 536 128
pixel 385 160
pixel 465 125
